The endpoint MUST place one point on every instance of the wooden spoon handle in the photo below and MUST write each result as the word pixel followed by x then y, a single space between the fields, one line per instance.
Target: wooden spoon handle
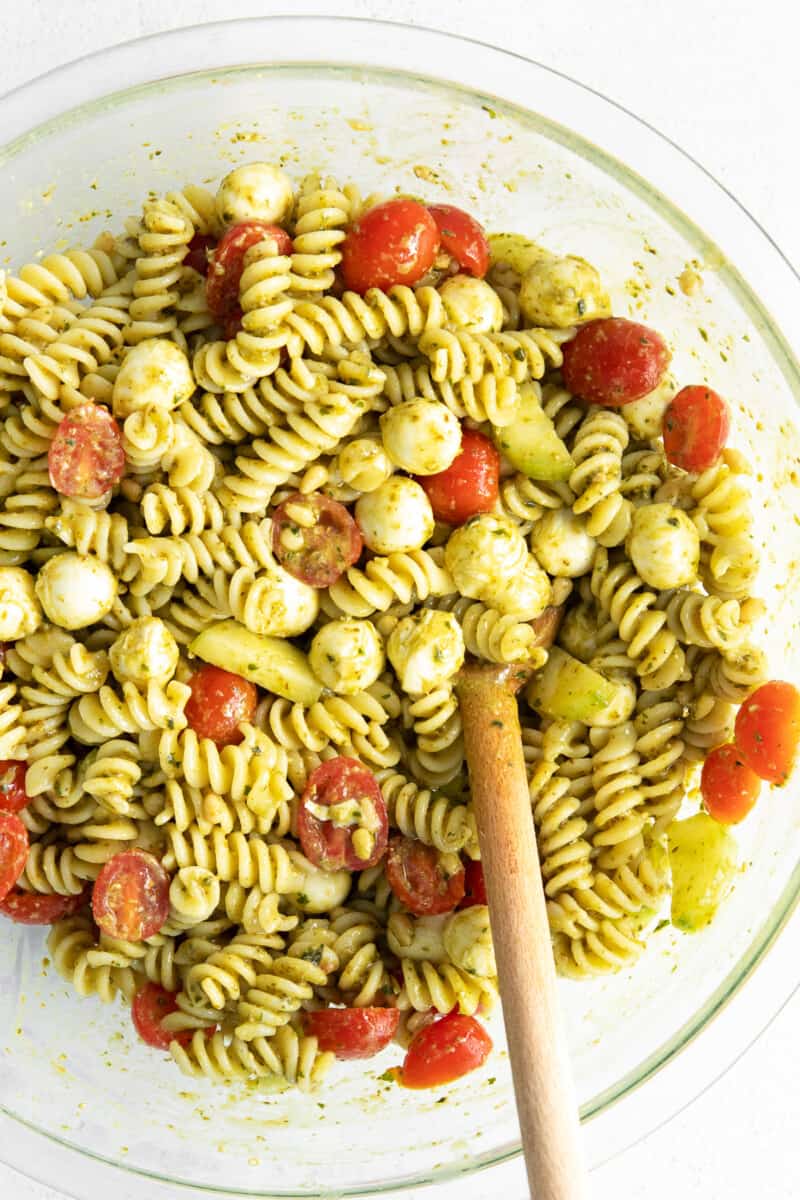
pixel 548 1113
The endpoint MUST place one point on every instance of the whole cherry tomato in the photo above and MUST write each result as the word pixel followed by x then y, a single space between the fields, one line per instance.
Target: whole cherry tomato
pixel 614 361
pixel 352 1032
pixel 394 242
pixel 767 731
pixel 445 1051
pixel 226 265
pixel 469 485
pixel 695 428
pixel 728 786
pixel 219 704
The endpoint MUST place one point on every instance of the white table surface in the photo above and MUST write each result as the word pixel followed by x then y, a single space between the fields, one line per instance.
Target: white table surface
pixel 721 80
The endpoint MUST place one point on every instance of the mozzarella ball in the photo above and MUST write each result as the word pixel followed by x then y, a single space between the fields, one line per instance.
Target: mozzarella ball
pixel 20 611
pixel 75 590
pixel 278 604
pixel 426 649
pixel 664 546
pixel 562 545
pixel 347 655
pixel 485 553
pixel 524 595
pixel 396 517
pixel 421 436
pixel 418 938
pixel 254 192
pixel 145 650
pixel 155 372
pixel 318 891
pixel 364 464
pixel 644 417
pixel 559 292
pixel 472 304
pixel 467 938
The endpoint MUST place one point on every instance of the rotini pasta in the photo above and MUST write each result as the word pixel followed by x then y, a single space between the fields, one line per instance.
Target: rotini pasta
pixel 282 585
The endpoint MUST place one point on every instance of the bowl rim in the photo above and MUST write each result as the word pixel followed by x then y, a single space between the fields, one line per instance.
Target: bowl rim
pixel 127 70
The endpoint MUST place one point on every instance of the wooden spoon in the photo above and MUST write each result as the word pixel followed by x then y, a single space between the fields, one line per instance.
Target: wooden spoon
pixel 546 1106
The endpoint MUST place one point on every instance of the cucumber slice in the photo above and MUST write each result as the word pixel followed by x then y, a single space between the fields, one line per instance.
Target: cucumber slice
pixel 271 662
pixel 519 252
pixel 530 442
pixel 703 857
pixel 569 690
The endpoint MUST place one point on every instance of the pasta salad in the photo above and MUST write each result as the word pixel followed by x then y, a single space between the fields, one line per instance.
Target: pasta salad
pixel 273 462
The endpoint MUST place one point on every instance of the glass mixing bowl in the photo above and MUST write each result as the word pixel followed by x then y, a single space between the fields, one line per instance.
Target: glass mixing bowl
pixel 85 1106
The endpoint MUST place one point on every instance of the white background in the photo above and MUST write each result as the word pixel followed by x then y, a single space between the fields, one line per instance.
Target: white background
pixel 721 79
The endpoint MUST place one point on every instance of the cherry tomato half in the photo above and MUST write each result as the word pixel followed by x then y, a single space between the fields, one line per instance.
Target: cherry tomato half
pixel 445 1051
pixel 226 266
pixel 13 797
pixel 695 427
pixel 352 1032
pixel 13 851
pixel 314 538
pixel 86 457
pixel 729 787
pixel 469 485
pixel 220 702
pixel 417 877
pixel 474 885
pixel 394 242
pixel 31 908
pixel 149 1007
pixel 614 361
pixel 131 896
pixel 329 843
pixel 200 250
pixel 767 730
pixel 463 237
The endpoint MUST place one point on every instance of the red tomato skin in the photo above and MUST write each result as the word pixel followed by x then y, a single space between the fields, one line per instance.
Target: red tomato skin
pixel 200 250
pixel 445 1051
pixel 395 242
pixel 332 545
pixel 353 1032
pixel 729 787
pixel 474 885
pixel 220 702
pixel 31 908
pixel 695 428
pixel 13 797
pixel 613 361
pixel 13 851
pixel 469 485
pixel 225 267
pixel 86 457
pixel 463 237
pixel 767 730
pixel 415 877
pixel 232 324
pixel 149 1007
pixel 130 899
pixel 325 845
